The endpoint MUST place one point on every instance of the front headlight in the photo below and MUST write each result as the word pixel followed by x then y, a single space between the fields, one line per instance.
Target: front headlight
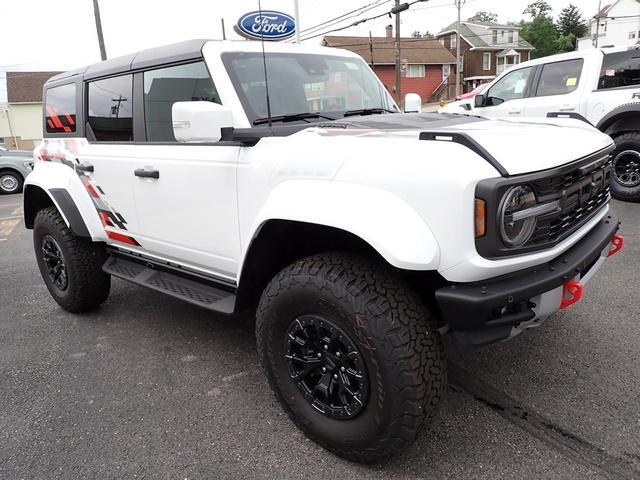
pixel 515 217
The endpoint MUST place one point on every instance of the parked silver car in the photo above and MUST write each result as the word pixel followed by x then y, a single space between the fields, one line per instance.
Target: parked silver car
pixel 15 165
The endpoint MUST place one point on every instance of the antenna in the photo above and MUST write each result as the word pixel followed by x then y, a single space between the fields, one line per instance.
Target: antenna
pixel 264 64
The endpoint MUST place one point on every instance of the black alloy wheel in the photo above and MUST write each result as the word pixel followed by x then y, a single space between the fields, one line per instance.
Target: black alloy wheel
pixel 626 168
pixel 326 366
pixel 54 261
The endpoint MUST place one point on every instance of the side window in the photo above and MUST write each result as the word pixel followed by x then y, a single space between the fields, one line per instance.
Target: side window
pixel 510 87
pixel 560 78
pixel 110 110
pixel 60 109
pixel 165 86
pixel 621 69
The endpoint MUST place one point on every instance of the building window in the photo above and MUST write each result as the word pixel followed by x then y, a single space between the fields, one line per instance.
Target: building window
pixel 110 109
pixel 446 71
pixel 165 86
pixel 60 108
pixel 510 36
pixel 1 140
pixel 494 36
pixel 441 40
pixel 414 70
pixel 486 61
pixel 632 35
pixel 454 41
pixel 502 33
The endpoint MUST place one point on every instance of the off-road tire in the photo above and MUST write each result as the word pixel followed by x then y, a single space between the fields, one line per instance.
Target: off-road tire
pixel 19 182
pixel 391 327
pixel 627 141
pixel 88 286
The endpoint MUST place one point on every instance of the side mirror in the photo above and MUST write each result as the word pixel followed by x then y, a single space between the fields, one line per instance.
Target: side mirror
pixel 199 121
pixel 480 101
pixel 412 103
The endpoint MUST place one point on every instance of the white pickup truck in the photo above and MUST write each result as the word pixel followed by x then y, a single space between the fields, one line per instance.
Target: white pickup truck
pixel 599 86
pixel 287 183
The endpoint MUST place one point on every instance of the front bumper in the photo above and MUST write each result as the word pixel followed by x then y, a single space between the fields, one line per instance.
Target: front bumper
pixel 486 312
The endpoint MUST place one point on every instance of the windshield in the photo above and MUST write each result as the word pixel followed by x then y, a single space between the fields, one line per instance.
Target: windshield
pixel 300 83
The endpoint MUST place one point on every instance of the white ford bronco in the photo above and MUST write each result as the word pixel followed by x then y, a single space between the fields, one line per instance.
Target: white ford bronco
pixel 599 86
pixel 287 183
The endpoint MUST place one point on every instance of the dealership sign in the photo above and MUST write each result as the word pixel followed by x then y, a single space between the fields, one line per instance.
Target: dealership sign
pixel 267 25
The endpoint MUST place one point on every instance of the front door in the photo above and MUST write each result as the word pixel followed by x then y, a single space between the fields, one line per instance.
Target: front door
pixel 506 98
pixel 185 194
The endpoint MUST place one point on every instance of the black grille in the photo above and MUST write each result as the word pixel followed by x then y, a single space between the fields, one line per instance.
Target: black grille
pixel 581 192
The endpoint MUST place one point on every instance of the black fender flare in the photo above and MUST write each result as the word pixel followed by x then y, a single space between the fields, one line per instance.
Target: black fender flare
pixel 622 111
pixel 36 198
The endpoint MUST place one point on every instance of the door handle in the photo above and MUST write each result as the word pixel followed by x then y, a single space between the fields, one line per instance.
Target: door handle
pixel 567 108
pixel 141 172
pixel 84 167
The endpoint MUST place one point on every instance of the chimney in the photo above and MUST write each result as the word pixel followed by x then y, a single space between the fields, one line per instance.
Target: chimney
pixel 389 29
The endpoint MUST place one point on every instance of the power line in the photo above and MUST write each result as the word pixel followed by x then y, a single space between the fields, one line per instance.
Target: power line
pixel 345 16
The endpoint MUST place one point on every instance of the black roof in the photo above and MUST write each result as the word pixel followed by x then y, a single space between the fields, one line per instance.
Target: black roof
pixel 176 52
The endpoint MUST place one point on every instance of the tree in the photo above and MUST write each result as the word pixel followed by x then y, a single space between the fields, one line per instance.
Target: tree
pixel 540 32
pixel 417 34
pixel 539 8
pixel 570 22
pixel 482 16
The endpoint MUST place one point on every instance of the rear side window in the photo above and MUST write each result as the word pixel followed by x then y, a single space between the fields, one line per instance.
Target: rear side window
pixel 165 86
pixel 109 109
pixel 60 109
pixel 621 69
pixel 560 78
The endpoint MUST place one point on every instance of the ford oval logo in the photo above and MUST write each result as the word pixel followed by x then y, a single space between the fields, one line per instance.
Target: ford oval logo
pixel 268 24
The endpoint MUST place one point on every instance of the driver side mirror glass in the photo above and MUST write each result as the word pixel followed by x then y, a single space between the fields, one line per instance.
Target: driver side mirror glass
pixel 199 121
pixel 480 101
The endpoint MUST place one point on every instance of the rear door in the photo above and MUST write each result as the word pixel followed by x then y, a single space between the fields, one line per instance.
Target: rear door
pixel 108 160
pixel 506 97
pixel 558 88
pixel 189 213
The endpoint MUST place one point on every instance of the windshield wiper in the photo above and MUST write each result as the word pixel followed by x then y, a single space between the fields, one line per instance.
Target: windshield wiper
pixel 291 117
pixel 368 111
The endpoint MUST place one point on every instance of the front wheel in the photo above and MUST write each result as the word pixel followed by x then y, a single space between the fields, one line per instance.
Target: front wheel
pixel 625 172
pixel 71 267
pixel 10 182
pixel 352 355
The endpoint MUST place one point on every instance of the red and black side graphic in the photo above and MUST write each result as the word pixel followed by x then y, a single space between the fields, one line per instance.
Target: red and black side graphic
pixel 108 216
pixel 60 123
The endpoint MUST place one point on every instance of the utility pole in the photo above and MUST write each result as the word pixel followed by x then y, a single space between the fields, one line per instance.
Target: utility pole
pixel 458 4
pixel 224 33
pixel 296 14
pixel 397 9
pixel 96 13
pixel 598 23
pixel 371 49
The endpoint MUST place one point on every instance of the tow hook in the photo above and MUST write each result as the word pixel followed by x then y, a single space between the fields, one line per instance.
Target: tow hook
pixel 571 293
pixel 617 242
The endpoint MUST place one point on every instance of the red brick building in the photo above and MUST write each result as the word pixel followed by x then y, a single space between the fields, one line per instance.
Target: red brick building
pixel 427 67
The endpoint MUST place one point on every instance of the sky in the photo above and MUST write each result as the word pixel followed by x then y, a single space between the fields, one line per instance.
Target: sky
pixel 61 35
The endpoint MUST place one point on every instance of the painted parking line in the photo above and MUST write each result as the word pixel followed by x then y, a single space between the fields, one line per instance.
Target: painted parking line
pixel 8 224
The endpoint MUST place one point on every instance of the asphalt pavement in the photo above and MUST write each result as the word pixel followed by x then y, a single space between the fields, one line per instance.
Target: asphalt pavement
pixel 150 387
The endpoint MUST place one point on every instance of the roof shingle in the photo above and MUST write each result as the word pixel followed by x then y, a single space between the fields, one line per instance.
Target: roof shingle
pixel 26 86
pixel 426 51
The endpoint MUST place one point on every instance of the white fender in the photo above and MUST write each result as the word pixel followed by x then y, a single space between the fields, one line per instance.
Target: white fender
pixel 52 175
pixel 378 217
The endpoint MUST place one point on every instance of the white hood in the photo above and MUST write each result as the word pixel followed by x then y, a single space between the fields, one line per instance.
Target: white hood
pixel 523 146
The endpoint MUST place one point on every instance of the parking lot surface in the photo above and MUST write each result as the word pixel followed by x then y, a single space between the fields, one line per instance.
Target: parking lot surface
pixel 149 387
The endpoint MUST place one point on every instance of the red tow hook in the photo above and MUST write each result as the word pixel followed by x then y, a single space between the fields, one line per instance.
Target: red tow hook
pixel 571 293
pixel 617 242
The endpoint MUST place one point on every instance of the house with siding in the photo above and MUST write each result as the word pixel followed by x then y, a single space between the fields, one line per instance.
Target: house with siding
pixel 486 49
pixel 21 115
pixel 617 23
pixel 427 67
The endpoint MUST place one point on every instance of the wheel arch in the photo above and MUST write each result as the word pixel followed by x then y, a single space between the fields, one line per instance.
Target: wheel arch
pixel 623 119
pixel 302 218
pixel 37 198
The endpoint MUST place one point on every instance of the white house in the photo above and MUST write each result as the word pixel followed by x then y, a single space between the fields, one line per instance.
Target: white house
pixel 617 23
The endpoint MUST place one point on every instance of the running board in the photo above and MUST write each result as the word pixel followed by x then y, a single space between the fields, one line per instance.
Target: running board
pixel 195 292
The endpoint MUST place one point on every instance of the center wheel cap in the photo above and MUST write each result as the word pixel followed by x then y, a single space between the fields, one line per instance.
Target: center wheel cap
pixel 326 366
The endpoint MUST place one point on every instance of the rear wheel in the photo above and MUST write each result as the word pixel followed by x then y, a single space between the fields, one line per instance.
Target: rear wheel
pixel 70 266
pixel 625 173
pixel 10 182
pixel 352 355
